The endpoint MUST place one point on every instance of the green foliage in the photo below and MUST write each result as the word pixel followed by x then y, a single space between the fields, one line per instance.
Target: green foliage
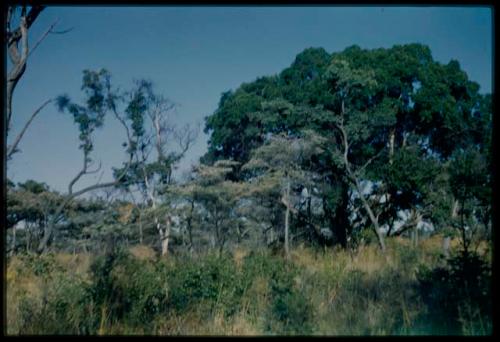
pixel 469 176
pixel 416 130
pixel 399 93
pixel 99 99
pixel 458 296
pixel 410 176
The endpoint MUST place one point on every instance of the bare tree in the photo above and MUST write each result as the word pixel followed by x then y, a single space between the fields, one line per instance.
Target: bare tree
pixel 158 146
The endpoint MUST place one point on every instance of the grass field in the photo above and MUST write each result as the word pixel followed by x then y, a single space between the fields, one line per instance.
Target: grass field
pixel 320 292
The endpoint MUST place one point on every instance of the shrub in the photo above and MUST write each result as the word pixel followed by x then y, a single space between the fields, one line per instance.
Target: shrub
pixel 458 296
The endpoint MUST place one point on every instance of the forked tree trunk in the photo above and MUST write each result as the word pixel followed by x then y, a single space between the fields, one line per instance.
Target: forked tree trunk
pixel 372 217
pixel 354 178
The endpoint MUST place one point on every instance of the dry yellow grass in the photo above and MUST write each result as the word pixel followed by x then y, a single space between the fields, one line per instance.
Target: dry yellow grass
pixel 78 263
pixel 370 259
pixel 143 252
pixel 239 254
pixel 324 276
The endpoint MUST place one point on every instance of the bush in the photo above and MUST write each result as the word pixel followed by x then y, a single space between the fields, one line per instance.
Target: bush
pixel 213 279
pixel 458 296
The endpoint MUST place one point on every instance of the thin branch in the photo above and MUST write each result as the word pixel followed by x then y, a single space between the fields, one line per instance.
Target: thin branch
pixel 13 148
pixel 80 174
pixel 43 36
pixel 62 31
pixel 358 172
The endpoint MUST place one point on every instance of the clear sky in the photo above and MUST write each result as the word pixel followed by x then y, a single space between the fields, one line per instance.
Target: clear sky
pixel 193 54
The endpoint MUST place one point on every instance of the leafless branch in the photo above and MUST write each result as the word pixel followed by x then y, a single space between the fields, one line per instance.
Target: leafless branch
pixel 62 31
pixel 185 137
pixel 13 148
pixel 43 36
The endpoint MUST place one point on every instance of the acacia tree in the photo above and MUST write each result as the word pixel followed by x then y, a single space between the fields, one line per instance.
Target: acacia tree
pixel 19 20
pixel 278 164
pixel 217 199
pixel 31 203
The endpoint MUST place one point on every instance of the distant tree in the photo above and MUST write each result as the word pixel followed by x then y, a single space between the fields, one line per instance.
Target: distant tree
pixel 278 164
pixel 31 204
pixel 217 199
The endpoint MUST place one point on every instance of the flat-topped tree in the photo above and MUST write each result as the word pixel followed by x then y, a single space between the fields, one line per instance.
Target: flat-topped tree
pixel 277 165
pixel 214 201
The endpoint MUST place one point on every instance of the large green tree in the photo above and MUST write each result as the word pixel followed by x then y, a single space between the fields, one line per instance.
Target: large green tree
pixel 392 117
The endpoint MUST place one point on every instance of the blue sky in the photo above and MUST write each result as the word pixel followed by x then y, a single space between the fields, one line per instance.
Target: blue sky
pixel 193 54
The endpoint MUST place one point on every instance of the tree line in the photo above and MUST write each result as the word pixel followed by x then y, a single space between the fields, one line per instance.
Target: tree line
pixel 336 149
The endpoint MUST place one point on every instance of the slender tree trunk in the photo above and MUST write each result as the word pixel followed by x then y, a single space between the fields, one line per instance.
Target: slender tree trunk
pixel 465 242
pixel 13 248
pixel 287 219
pixel 391 146
pixel 415 236
pixel 164 245
pixel 454 209
pixel 190 227
pixel 28 240
pixel 141 235
pixel 166 236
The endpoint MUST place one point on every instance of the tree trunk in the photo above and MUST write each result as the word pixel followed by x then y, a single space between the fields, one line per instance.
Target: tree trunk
pixel 47 234
pixel 287 220
pixel 446 246
pixel 352 176
pixel 165 236
pixel 164 245
pixel 454 209
pixel 391 146
pixel 13 248
pixel 140 228
pixel 372 217
pixel 341 219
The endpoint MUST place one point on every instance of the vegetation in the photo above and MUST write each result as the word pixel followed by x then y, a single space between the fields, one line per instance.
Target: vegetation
pixel 349 194
pixel 318 292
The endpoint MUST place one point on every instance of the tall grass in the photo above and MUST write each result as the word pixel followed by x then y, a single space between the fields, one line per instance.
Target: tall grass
pixel 319 292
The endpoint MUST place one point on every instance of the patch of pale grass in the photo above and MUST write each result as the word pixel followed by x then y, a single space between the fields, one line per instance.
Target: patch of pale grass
pixel 143 252
pixel 369 259
pixel 239 254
